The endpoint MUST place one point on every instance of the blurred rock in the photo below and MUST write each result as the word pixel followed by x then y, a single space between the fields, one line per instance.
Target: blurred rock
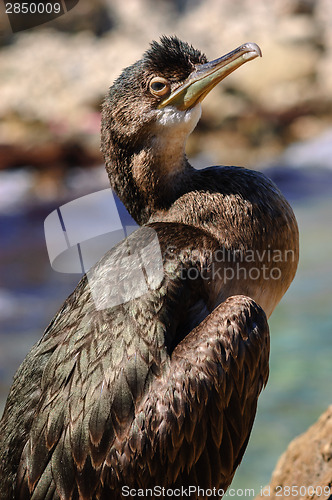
pixel 54 77
pixel 47 154
pixel 313 153
pixel 304 471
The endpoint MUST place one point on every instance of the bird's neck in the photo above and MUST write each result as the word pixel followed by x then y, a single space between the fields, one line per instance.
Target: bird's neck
pixel 150 171
pixel 147 181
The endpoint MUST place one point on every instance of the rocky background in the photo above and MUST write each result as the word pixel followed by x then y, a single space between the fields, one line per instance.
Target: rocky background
pixel 54 77
pixel 304 471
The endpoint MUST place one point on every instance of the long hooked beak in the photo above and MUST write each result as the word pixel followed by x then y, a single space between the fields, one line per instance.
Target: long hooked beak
pixel 206 76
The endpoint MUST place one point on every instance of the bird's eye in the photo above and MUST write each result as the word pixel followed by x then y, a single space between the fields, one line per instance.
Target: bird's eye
pixel 159 86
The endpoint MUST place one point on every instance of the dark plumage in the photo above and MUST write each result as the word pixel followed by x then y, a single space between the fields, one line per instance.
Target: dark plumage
pixel 162 388
pixel 172 58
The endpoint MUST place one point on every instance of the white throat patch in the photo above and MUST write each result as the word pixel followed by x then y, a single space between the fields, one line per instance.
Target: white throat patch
pixel 173 127
pixel 179 121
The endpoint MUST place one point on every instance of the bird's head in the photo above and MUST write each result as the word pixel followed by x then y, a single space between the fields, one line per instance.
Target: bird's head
pixel 171 77
pixel 154 105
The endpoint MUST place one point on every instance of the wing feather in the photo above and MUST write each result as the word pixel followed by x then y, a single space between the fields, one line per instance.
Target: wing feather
pixel 147 392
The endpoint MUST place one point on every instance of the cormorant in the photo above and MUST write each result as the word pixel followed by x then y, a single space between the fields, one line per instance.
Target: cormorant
pixel 159 390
